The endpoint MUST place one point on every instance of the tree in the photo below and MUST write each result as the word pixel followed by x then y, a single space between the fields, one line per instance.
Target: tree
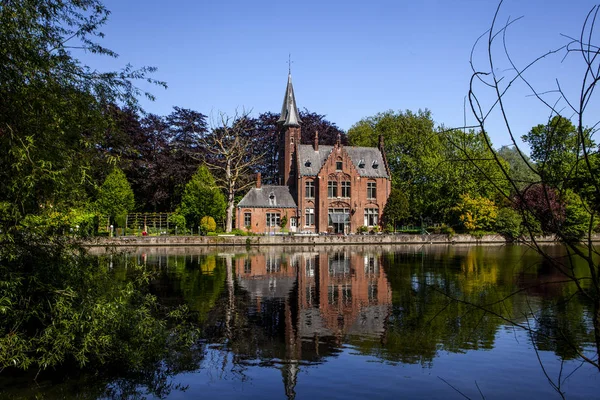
pixel 475 213
pixel 563 150
pixel 231 153
pixel 431 166
pixel 115 197
pixel 54 108
pixel 556 150
pixel 202 197
pixel 396 209
pixel 521 169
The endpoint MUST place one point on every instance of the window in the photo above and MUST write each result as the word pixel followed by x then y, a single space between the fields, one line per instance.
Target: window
pixel 338 165
pixel 310 217
pixel 332 189
pixel 272 219
pixel 247 219
pixel 247 266
pixel 371 190
pixel 371 216
pixel 310 189
pixel 346 189
pixel 293 222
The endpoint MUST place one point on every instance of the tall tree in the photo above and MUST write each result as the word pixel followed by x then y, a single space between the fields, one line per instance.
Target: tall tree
pixel 202 197
pixel 54 108
pixel 115 197
pixel 231 153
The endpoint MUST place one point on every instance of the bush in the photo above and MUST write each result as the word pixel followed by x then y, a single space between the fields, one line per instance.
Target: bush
pixel 239 232
pixel 509 223
pixel 447 230
pixel 362 229
pixel 207 224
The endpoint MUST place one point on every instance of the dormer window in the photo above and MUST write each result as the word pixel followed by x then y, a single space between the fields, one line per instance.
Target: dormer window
pixel 307 163
pixel 361 163
pixel 375 164
pixel 272 198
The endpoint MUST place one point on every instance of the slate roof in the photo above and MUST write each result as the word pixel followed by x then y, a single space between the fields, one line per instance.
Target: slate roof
pixel 289 111
pixel 368 161
pixel 268 196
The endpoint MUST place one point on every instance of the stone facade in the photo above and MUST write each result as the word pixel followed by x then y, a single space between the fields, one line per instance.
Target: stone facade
pixel 333 189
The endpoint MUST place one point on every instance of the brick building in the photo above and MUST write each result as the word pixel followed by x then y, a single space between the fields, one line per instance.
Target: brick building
pixel 334 189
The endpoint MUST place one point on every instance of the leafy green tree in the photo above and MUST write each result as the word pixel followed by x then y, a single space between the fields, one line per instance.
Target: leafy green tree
pixel 577 216
pixel 202 197
pixel 413 152
pixel 476 213
pixel 207 224
pixel 431 166
pixel 521 169
pixel 556 149
pixel 396 209
pixel 115 197
pixel 54 108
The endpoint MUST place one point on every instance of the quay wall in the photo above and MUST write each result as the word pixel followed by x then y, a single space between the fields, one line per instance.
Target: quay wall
pixel 300 240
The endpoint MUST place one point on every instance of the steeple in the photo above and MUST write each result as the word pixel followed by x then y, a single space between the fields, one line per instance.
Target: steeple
pixel 289 110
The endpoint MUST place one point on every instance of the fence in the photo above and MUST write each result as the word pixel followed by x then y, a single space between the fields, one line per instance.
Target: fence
pixel 136 224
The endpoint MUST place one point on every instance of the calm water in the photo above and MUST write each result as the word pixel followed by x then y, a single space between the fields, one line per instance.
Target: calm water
pixel 354 322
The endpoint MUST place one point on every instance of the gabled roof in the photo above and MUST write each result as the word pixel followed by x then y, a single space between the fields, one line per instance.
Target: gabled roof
pixel 368 161
pixel 289 111
pixel 268 196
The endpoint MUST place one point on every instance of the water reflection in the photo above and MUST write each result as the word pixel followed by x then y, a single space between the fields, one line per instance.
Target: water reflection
pixel 290 311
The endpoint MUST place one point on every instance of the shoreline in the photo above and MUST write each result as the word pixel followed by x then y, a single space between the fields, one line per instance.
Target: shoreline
pixel 252 241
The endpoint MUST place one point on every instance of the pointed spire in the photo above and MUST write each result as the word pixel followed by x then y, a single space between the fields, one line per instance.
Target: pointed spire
pixel 289 110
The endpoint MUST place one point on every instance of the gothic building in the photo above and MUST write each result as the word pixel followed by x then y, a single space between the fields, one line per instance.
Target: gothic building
pixel 334 189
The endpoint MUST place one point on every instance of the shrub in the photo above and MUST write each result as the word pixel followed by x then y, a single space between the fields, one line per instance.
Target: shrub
pixel 509 223
pixel 207 224
pixel 177 220
pixel 447 230
pixel 362 229
pixel 476 213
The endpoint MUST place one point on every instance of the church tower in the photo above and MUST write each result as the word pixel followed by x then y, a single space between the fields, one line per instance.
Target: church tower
pixel 289 137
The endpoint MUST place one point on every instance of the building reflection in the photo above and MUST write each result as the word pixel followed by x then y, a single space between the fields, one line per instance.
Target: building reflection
pixel 324 296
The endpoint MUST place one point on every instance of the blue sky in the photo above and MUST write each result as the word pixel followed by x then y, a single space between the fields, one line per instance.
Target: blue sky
pixel 350 59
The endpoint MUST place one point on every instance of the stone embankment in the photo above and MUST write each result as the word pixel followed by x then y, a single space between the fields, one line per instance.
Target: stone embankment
pixel 301 240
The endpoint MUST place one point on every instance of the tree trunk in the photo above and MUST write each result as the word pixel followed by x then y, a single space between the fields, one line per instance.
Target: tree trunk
pixel 230 207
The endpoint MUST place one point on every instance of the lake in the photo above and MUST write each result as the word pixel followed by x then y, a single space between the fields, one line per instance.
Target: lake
pixel 433 321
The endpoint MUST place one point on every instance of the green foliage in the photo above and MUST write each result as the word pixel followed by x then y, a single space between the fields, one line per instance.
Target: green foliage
pixel 73 310
pixel 476 213
pixel 521 169
pixel 431 166
pixel 447 230
pixel 53 112
pixel 202 197
pixel 239 232
pixel 283 222
pixel 177 220
pixel 362 229
pixel 115 197
pixel 556 148
pixel 207 225
pixel 509 223
pixel 577 217
pixel 396 209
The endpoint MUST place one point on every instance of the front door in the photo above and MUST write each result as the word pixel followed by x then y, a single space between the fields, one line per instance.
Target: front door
pixel 339 220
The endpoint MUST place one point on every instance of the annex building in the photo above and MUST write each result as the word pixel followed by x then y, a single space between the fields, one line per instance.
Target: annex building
pixel 334 189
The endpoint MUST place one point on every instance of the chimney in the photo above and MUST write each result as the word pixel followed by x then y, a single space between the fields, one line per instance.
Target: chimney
pixel 316 140
pixel 258 183
pixel 381 142
pixel 339 140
